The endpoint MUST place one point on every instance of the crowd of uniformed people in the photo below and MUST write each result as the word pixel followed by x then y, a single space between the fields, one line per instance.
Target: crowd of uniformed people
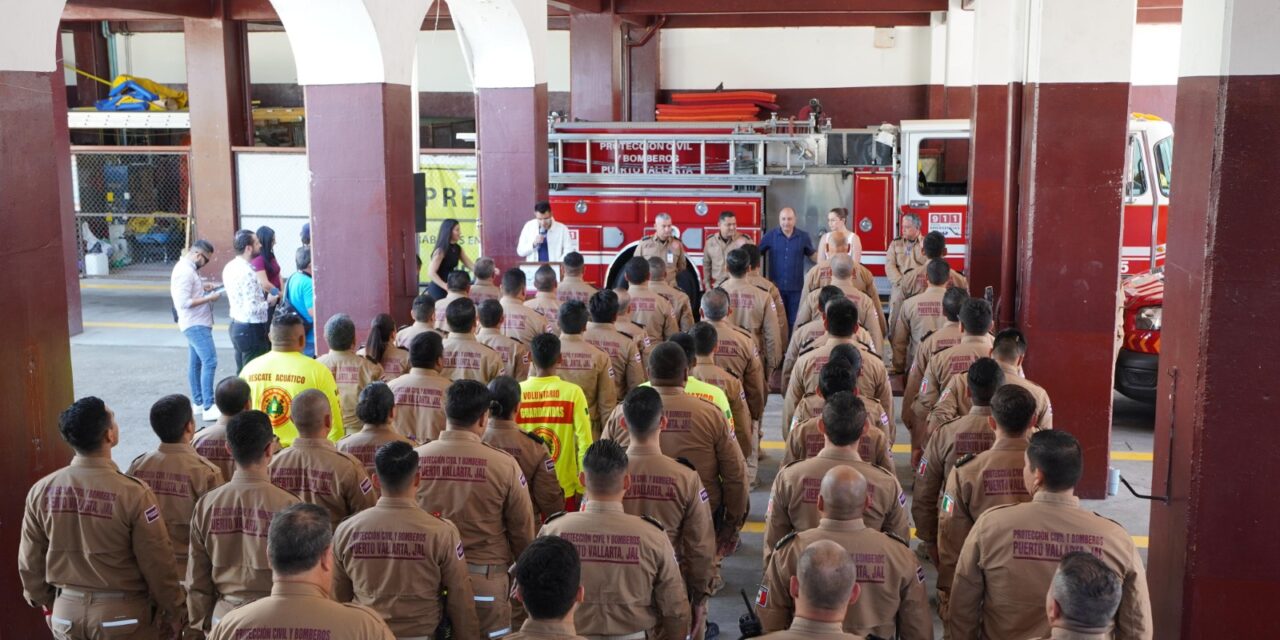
pixel 579 463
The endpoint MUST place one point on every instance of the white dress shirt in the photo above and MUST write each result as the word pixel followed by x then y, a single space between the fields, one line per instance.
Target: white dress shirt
pixel 185 286
pixel 558 242
pixel 248 302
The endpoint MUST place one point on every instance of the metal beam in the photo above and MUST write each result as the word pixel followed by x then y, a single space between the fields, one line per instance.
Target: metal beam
pixel 136 9
pixel 696 7
pixel 591 6
pixel 1160 15
pixel 751 20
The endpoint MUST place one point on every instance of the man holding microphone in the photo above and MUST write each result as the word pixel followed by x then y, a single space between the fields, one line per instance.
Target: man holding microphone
pixel 543 239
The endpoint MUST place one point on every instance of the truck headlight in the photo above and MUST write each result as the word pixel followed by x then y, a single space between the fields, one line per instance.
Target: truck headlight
pixel 1148 318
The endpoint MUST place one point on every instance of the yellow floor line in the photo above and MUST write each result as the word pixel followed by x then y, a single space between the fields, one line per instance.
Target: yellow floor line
pixel 170 326
pixel 108 286
pixel 758 527
pixel 1138 456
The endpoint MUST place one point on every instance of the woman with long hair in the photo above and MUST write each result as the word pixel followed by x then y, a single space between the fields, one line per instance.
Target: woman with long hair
pixel 445 257
pixel 380 348
pixel 839 238
pixel 265 265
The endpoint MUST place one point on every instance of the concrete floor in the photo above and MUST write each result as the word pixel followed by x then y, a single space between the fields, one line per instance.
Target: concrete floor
pixel 131 353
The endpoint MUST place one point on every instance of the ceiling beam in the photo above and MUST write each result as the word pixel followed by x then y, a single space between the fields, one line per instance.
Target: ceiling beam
pixel 757 20
pixel 137 9
pixel 590 6
pixel 1159 4
pixel 698 7
pixel 252 10
pixel 1161 15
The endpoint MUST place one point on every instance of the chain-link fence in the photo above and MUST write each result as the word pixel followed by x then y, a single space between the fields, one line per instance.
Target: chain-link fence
pixel 132 210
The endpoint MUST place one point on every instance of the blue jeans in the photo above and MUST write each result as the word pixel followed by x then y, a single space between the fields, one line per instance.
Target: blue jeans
pixel 202 363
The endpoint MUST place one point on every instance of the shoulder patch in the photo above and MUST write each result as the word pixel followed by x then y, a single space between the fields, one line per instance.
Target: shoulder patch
pixel 786 540
pixel 964 459
pixel 898 538
pixel 685 461
pixel 652 521
pixel 534 438
pixel 554 516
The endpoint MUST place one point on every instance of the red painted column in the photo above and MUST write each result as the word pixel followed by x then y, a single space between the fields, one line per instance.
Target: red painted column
pixel 1073 150
pixel 66 210
pixel 218 90
pixel 360 150
pixel 644 67
pixel 1212 568
pixel 511 146
pixel 35 363
pixel 91 57
pixel 595 66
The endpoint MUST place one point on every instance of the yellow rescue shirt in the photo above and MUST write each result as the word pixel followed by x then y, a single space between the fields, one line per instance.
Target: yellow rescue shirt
pixel 276 377
pixel 556 411
pixel 709 392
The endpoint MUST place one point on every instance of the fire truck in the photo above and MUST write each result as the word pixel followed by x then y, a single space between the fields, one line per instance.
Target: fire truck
pixel 609 180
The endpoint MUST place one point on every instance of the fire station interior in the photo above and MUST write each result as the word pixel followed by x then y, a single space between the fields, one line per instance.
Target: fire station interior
pixel 1036 136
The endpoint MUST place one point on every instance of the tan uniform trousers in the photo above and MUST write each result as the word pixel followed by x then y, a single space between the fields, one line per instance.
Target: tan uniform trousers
pixel 80 615
pixel 492 593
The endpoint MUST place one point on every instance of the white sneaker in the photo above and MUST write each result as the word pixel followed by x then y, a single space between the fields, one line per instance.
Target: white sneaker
pixel 212 413
pixel 196 409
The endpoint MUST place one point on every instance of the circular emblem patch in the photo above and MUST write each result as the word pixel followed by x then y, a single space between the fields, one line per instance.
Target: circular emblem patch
pixel 553 442
pixel 276 403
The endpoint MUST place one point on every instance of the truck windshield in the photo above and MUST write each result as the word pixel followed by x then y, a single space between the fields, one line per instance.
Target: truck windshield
pixel 942 168
pixel 1164 164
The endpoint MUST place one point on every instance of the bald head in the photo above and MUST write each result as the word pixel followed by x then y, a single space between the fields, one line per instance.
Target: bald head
pixel 841 266
pixel 826 575
pixel 309 412
pixel 843 494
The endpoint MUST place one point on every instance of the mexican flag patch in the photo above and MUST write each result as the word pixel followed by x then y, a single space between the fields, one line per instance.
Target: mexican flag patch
pixel 948 503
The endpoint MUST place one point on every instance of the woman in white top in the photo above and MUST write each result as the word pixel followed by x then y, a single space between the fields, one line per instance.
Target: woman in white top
pixel 839 238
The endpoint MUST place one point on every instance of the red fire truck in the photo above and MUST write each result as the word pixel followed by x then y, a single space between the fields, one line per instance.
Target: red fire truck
pixel 609 180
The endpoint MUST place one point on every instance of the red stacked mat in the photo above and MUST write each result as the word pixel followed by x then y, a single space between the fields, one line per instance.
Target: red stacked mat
pixel 716 106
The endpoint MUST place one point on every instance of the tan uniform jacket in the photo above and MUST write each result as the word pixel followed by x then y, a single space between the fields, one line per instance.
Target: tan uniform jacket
pixel 1010 557
pixel 363 444
pixel 810 335
pixel 419 404
pixel 514 355
pixel 521 322
pixel 636 331
pixel 697 431
pixel 904 258
pixel 869 314
pixel 805 629
pixel 352 373
pixel 480 489
pixel 629 573
pixel 466 358
pixel 948 336
pixel 670 251
pixel 652 311
pixel 978 483
pixel 88 526
pixel 672 493
pixel 535 462
pixel 399 561
pixel 873 381
pixel 955 400
pixel 820 276
pixel 545 630
pixel 395 362
pixel 715 252
pixel 893 602
pixel 784 329
pixel 707 371
pixel 441 323
pixel 300 610
pixel 484 290
pixel 920 316
pixel 178 476
pixel 679 301
pixel 738 353
pixel 806 441
pixel 752 309
pixel 590 368
pixel 211 443
pixel 546 303
pixel 229 544
pixel 574 288
pixel 405 336
pixel 965 436
pixel 913 285
pixel 793 505
pixel 315 471
pixel 624 355
pixel 947 364
pixel 811 406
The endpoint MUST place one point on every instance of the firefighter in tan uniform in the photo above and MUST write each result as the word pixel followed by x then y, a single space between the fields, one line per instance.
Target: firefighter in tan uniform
pixel 547 580
pixel 513 354
pixel 424 319
pixel 811 333
pixel 705 339
pixel 806 438
pixel 232 395
pixel 754 277
pixel 965 436
pixel 518 321
pixel 753 310
pixel 903 259
pixel 228 565
pixel 544 300
pixel 1083 599
pixel 665 246
pixel 484 288
pixel 823 587
pixel 624 351
pixel 572 286
pixel 1009 557
pixel 934 247
pixel 459 287
pixel 529 450
pixel 377 411
pixel 419 394
pixel 920 315
pixel 313 469
pixel 302 553
pixel 678 299
pixel 948 335
pixel 852 354
pixel 717 247
pixel 82 529
pixel 466 358
pixel 585 365
pixel 400 561
pixel 480 489
pixel 1008 349
pixel 793 503
pixel 820 276
pixel 983 480
pixel 737 352
pixel 697 431
pixel 892 602
pixel 672 494
pixel 632 583
pixel 176 474
pixel 869 314
pixel 648 310
pixel 975 320
pixel 352 372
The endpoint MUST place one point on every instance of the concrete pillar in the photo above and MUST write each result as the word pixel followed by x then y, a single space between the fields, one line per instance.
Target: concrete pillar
pixel 217 57
pixel 354 61
pixel 67 208
pixel 91 57
pixel 35 364
pixel 644 65
pixel 1075 114
pixel 595 66
pixel 999 63
pixel 1212 569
